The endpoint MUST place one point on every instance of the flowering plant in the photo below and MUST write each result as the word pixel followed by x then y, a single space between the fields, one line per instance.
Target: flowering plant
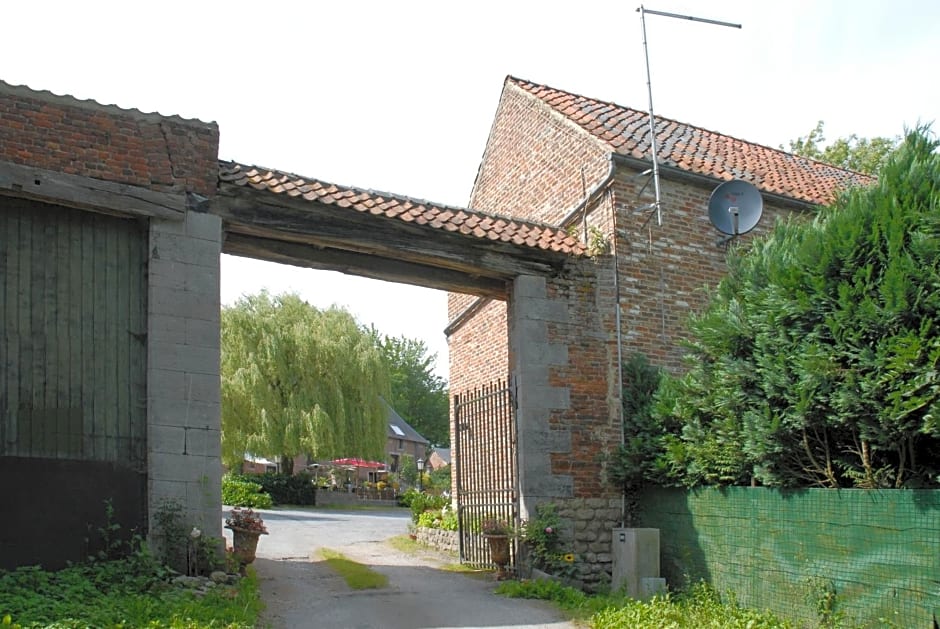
pixel 541 535
pixel 247 520
pixel 495 526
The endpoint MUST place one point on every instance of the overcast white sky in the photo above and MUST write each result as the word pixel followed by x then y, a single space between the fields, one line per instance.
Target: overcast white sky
pixel 399 96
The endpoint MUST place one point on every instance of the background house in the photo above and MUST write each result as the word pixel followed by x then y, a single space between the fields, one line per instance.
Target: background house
pixel 403 440
pixel 440 457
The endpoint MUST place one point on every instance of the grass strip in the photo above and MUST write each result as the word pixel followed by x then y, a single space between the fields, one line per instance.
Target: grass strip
pixel 357 575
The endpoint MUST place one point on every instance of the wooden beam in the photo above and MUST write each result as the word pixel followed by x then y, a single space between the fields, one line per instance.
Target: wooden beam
pixel 366 265
pixel 88 194
pixel 250 212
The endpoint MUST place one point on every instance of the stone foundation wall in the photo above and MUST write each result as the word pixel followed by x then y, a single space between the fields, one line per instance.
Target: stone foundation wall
pixel 447 541
pixel 588 525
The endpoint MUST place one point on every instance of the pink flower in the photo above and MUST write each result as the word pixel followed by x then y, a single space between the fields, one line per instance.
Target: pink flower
pixel 549 530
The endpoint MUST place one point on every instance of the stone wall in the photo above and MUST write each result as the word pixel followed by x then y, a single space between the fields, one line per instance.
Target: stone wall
pixel 446 541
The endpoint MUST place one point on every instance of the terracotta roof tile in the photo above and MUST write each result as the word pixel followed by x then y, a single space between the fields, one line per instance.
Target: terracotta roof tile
pixel 397 207
pixel 697 150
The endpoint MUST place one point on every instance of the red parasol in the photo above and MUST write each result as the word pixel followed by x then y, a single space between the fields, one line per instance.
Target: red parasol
pixel 358 463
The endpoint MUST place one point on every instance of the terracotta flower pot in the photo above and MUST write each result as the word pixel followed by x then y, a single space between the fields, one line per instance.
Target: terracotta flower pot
pixel 499 553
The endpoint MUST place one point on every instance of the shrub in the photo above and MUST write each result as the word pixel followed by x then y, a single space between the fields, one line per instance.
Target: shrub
pixel 420 503
pixel 284 489
pixel 241 493
pixel 817 362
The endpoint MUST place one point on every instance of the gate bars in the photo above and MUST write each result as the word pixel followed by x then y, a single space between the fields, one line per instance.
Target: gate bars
pixel 487 481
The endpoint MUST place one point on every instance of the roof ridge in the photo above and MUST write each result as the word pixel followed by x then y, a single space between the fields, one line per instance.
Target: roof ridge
pixel 403 197
pixel 29 92
pixel 520 81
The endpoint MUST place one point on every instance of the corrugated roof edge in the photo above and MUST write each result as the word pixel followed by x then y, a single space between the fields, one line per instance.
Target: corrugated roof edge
pixel 46 95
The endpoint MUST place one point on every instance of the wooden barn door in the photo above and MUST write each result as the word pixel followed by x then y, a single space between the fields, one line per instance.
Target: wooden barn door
pixel 73 398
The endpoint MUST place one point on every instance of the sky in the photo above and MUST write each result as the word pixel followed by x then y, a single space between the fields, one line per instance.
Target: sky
pixel 399 96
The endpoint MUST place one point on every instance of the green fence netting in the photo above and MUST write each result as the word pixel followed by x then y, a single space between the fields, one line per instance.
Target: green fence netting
pixel 862 556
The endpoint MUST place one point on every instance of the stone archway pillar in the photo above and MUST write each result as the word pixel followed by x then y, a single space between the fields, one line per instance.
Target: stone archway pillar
pixel 532 354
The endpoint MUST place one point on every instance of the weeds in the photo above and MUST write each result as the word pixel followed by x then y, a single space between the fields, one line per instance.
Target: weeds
pixel 357 576
pixel 700 606
pixel 132 592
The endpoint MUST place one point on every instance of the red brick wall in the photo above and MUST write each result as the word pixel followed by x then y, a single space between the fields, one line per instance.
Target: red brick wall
pixel 666 271
pixel 64 134
pixel 532 164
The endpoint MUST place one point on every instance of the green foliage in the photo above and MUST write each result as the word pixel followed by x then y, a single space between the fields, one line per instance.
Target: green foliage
pixel 444 519
pixel 417 394
pixel 420 502
pixel 299 380
pixel 853 153
pixel 636 459
pixel 131 592
pixel 238 492
pixel 283 489
pixel 548 544
pixel 439 480
pixel 408 469
pixel 567 598
pixel 817 361
pixel 701 606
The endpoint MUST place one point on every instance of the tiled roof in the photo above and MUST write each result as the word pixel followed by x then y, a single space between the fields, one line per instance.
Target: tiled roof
pixel 697 150
pixel 393 206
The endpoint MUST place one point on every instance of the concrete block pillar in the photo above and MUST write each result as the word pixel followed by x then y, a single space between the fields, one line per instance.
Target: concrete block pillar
pixel 183 384
pixel 531 354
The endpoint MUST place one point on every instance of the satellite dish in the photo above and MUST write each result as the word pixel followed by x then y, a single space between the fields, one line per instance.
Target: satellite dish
pixel 735 207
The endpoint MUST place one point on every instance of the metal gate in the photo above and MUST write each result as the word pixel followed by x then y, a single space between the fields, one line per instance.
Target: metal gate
pixel 487 481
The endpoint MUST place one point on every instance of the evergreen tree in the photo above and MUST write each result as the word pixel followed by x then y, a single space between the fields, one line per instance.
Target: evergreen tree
pixel 817 361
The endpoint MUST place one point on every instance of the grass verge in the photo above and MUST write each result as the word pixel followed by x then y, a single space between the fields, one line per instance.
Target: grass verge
pixel 699 607
pixel 357 575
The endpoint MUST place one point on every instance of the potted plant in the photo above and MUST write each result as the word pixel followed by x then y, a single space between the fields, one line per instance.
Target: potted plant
pixel 497 533
pixel 246 526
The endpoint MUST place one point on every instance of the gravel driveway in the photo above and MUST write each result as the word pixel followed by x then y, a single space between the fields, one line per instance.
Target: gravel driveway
pixel 300 591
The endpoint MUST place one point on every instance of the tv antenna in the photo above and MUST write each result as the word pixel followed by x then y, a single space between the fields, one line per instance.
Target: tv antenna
pixel 657 204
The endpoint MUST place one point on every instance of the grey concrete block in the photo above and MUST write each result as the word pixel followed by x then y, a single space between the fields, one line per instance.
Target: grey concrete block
pixel 203 441
pixel 183 413
pixel 527 287
pixel 166 439
pixel 204 226
pixel 202 333
pixel 167 273
pixel 548 486
pixel 167 329
pixel 183 303
pixel 552 398
pixel 164 490
pixel 204 387
pixel 546 440
pixel 181 357
pixel 174 467
pixel 164 383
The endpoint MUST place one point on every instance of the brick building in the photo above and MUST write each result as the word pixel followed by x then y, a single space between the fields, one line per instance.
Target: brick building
pixel 576 163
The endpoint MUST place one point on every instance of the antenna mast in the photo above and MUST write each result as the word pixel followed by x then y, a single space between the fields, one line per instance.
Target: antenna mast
pixel 657 204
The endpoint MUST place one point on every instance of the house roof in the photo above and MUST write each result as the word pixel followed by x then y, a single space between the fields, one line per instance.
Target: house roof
pixel 397 207
pixel 696 150
pixel 444 453
pixel 407 432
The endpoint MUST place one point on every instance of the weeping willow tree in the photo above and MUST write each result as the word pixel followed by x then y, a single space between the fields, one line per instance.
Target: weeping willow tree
pixel 299 380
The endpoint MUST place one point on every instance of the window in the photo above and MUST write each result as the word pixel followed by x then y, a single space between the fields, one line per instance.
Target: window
pixel 401 444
